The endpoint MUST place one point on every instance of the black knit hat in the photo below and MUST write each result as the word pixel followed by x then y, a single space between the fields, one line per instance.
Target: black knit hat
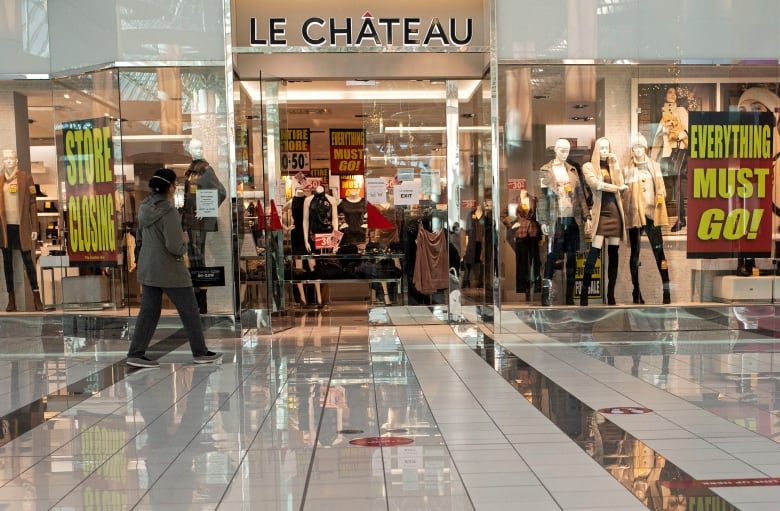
pixel 162 180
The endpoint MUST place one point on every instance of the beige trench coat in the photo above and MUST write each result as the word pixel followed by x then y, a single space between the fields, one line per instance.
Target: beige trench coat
pixel 634 199
pixel 28 211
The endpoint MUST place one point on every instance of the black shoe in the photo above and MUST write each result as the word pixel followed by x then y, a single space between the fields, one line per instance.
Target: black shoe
pixel 678 225
pixel 667 297
pixel 142 362
pixel 638 297
pixel 743 272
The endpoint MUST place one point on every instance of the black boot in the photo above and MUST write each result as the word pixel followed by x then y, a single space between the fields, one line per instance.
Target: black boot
pixel 678 225
pixel 634 268
pixel 612 271
pixel 570 290
pixel 587 276
pixel 667 298
pixel 546 292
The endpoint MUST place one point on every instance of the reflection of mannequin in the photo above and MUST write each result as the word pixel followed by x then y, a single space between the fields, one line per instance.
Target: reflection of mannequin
pixel 645 208
pixel 199 176
pixel 561 210
pixel 353 207
pixel 320 216
pixel 525 233
pixel 475 238
pixel 18 225
pixel 673 133
pixel 604 178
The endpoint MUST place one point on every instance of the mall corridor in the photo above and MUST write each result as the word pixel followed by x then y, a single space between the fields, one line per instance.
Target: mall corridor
pixel 559 410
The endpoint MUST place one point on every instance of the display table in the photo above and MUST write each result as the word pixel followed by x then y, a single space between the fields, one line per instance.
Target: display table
pixel 732 288
pixel 378 270
pixel 57 267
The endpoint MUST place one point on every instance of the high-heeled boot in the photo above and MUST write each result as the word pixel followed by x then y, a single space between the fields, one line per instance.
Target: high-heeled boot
pixel 546 292
pixel 612 271
pixel 664 270
pixel 11 307
pixel 587 275
pixel 634 268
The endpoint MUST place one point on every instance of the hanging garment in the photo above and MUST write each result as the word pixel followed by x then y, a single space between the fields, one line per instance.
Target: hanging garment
pixel 431 266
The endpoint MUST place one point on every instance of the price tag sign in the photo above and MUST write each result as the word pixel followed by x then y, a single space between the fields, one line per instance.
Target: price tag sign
pixel 295 162
pixel 326 240
pixel 516 184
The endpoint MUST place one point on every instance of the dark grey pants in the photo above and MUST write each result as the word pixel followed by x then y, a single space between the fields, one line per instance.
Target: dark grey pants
pixel 149 315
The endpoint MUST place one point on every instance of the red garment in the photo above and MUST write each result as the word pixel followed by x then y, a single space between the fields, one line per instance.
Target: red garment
pixel 431 266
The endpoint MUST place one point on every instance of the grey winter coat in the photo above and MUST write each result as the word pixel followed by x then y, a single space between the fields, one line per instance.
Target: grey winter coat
pixel 161 261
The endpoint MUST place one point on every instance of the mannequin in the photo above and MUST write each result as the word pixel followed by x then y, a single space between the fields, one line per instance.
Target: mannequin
pixel 645 208
pixel 199 176
pixel 320 216
pixel 525 232
pixel 18 225
pixel 297 239
pixel 602 173
pixel 353 207
pixel 561 211
pixel 475 238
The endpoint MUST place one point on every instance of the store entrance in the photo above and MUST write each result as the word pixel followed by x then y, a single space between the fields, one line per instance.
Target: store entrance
pixel 361 191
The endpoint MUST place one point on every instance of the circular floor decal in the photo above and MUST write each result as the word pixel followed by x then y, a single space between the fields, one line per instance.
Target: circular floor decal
pixel 625 410
pixel 381 441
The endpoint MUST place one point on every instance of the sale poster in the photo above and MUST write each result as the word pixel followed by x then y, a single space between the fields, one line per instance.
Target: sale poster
pixel 730 184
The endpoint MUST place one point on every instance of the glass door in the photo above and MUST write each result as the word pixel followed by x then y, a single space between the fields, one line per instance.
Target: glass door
pixel 260 117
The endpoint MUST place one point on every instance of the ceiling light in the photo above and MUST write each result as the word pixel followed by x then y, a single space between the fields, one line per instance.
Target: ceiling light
pixel 580 106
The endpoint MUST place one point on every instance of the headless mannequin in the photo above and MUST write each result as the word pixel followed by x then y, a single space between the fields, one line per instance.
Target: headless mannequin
pixel 18 225
pixel 293 214
pixel 353 208
pixel 320 216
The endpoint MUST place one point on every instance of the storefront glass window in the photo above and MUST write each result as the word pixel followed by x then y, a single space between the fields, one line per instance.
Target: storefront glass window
pixel 624 146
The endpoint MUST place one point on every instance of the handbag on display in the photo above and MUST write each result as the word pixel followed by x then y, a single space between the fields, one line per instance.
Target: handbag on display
pixel 677 162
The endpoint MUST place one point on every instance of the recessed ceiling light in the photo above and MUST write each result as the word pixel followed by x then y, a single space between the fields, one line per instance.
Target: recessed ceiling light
pixel 580 106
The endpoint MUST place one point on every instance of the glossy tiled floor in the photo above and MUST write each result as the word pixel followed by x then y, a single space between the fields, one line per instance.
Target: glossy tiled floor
pixel 343 413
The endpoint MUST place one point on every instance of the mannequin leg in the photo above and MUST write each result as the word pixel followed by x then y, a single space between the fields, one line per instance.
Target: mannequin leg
pixel 386 293
pixel 571 272
pixel 298 263
pixel 29 267
pixel 634 234
pixel 612 271
pixel 8 270
pixel 657 245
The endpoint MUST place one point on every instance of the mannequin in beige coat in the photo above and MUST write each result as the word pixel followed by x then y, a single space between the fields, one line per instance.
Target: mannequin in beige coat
pixel 603 175
pixel 645 207
pixel 18 224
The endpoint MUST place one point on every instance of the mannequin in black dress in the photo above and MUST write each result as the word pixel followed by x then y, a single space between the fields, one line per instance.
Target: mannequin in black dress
pixel 353 208
pixel 297 239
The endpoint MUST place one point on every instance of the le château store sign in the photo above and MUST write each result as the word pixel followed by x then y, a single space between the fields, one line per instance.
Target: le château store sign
pixel 366 30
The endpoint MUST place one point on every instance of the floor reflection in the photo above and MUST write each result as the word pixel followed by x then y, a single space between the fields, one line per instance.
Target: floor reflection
pixel 647 474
